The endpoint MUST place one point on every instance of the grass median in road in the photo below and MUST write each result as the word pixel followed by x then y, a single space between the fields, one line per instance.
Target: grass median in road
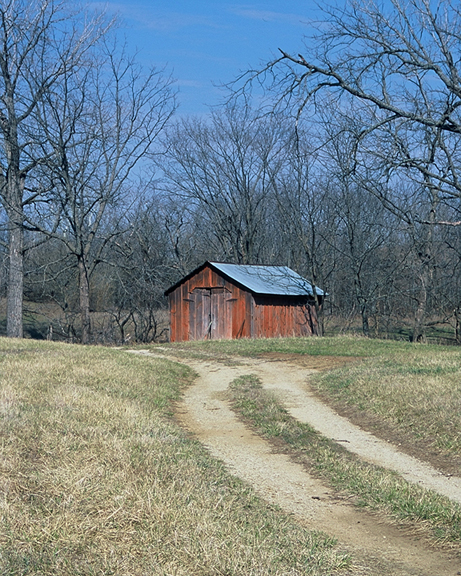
pixel 371 486
pixel 96 478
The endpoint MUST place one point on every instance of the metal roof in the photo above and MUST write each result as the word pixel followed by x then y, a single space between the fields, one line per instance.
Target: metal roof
pixel 276 280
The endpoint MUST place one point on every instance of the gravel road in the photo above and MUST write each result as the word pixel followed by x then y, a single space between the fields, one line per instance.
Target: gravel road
pixel 379 547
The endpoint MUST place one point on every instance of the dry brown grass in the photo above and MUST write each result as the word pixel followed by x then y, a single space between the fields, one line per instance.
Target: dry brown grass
pixel 415 390
pixel 95 477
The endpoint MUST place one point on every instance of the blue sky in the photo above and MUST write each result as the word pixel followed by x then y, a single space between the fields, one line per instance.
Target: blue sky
pixel 205 42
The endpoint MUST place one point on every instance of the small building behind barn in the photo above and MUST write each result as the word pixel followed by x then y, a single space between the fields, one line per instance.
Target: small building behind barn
pixel 240 301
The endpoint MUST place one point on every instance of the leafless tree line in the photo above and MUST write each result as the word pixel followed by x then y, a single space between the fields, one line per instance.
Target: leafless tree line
pixel 348 173
pixel 311 197
pixel 77 115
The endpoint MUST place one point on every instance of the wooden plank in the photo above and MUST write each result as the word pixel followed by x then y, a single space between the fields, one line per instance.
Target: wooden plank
pixel 286 320
pixel 206 314
pixel 202 316
pixel 238 318
pixel 192 303
pixel 178 308
pixel 253 318
pixel 269 320
pixel 237 310
pixel 177 315
pixel 207 277
pixel 202 313
pixel 296 321
pixel 276 324
pixel 221 314
pixel 229 311
pixel 217 314
pixel 291 320
pixel 281 324
pixel 172 316
pixel 184 312
pixel 249 303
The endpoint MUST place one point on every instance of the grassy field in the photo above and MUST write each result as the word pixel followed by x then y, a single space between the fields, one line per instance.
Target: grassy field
pixel 417 391
pixel 96 478
pixel 347 346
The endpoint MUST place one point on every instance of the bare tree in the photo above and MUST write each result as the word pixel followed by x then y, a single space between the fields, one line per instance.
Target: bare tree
pixel 307 225
pixel 396 67
pixel 402 58
pixel 399 61
pixel 41 45
pixel 144 267
pixel 403 167
pixel 220 167
pixel 98 129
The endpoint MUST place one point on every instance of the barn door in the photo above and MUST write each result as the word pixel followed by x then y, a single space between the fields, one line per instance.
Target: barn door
pixel 210 314
pixel 199 314
pixel 221 313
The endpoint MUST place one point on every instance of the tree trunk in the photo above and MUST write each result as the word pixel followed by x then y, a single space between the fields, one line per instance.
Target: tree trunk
pixel 15 288
pixel 84 292
pixel 457 313
pixel 365 320
pixel 360 296
pixel 418 334
pixel 13 187
pixel 319 313
pixel 425 256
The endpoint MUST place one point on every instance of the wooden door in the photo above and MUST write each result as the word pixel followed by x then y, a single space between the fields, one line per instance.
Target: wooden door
pixel 199 314
pixel 210 314
pixel 221 314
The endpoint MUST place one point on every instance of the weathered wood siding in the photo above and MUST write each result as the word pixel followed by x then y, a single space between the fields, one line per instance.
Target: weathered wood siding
pixel 208 306
pixel 282 316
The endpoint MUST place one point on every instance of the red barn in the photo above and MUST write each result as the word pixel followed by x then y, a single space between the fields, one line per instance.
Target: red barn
pixel 240 301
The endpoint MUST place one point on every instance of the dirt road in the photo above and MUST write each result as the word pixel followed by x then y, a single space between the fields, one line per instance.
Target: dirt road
pixel 379 547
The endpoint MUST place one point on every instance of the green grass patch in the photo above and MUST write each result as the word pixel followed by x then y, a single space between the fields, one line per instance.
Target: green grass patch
pixel 328 346
pixel 96 478
pixel 371 486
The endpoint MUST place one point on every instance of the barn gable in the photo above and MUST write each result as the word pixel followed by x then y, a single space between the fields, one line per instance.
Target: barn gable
pixel 220 300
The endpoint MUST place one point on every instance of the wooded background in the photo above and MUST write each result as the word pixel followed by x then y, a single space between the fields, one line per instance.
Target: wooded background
pixel 347 170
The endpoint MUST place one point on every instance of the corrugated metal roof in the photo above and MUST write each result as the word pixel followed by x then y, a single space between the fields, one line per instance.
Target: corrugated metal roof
pixel 276 280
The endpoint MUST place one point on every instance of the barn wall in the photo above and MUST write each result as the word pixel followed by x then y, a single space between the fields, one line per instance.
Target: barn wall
pixel 282 317
pixel 236 313
pixel 189 305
